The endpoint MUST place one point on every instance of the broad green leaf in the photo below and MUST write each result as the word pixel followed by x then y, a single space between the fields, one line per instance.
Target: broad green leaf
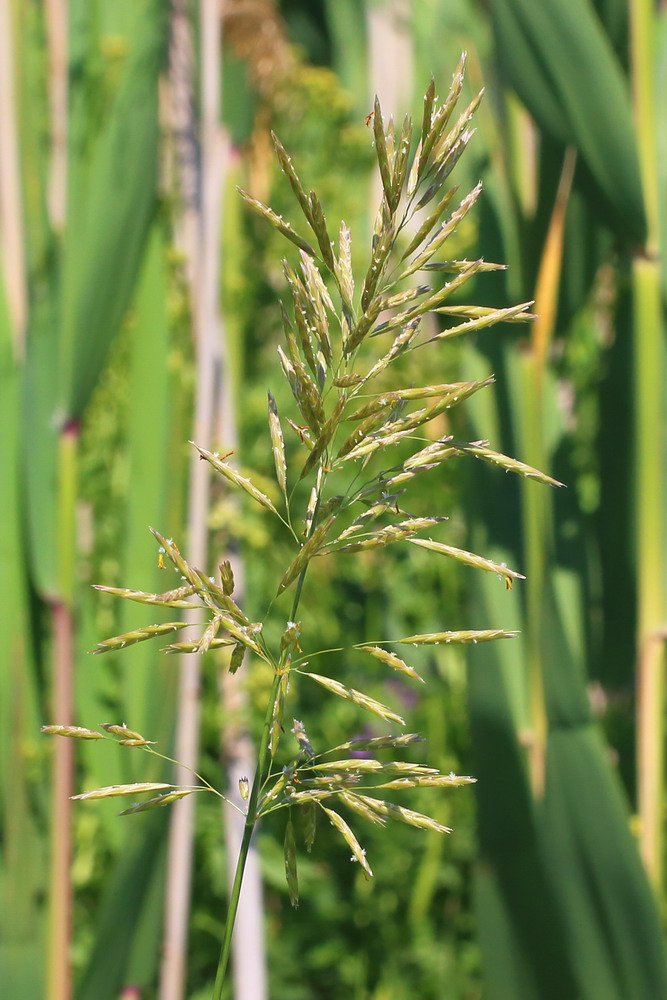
pixel 103 257
pixel 564 69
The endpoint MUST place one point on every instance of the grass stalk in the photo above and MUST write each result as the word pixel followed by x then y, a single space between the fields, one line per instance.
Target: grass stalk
pixel 649 417
pixel 261 771
pixel 62 781
pixel 60 888
pixel 179 863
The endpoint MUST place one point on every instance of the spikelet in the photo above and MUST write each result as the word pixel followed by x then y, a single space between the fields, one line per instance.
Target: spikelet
pixel 158 801
pixel 307 551
pixel 409 816
pixel 74 732
pixel 469 558
pixel 358 853
pixel 352 801
pixel 138 635
pixel 278 445
pixel 234 477
pixel 381 742
pixel 469 635
pixel 114 791
pixel 170 599
pixel 508 464
pixel 393 661
pixel 278 222
pixel 370 765
pixel 357 697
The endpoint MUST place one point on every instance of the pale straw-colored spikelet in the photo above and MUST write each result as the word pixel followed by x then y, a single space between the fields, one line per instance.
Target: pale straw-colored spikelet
pixel 114 791
pixel 467 635
pixel 138 635
pixel 357 697
pixel 74 732
pixel 358 853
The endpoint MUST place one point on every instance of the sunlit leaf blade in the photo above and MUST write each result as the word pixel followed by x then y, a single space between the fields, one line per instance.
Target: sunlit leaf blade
pixel 104 250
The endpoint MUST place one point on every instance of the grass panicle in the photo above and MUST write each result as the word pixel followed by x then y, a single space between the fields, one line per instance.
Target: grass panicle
pixel 351 413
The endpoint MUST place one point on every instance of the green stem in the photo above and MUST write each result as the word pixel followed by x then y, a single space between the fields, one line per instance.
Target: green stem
pixel 248 830
pixel 261 774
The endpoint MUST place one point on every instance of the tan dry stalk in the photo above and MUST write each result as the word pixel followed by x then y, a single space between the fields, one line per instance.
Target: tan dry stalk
pixel 183 132
pixel 206 335
pixel 59 976
pixel 214 420
pixel 60 894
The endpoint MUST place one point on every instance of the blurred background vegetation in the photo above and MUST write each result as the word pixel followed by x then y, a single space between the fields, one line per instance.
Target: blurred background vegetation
pixel 138 308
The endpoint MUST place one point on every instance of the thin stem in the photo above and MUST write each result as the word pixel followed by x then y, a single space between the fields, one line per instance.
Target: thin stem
pixel 248 830
pixel 320 652
pixel 209 786
pixel 261 772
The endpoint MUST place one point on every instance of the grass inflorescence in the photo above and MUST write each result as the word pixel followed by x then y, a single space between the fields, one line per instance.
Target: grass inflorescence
pixel 340 346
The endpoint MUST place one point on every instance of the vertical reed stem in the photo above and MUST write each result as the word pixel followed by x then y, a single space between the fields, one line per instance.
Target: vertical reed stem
pixel 208 384
pixel 60 887
pixel 649 420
